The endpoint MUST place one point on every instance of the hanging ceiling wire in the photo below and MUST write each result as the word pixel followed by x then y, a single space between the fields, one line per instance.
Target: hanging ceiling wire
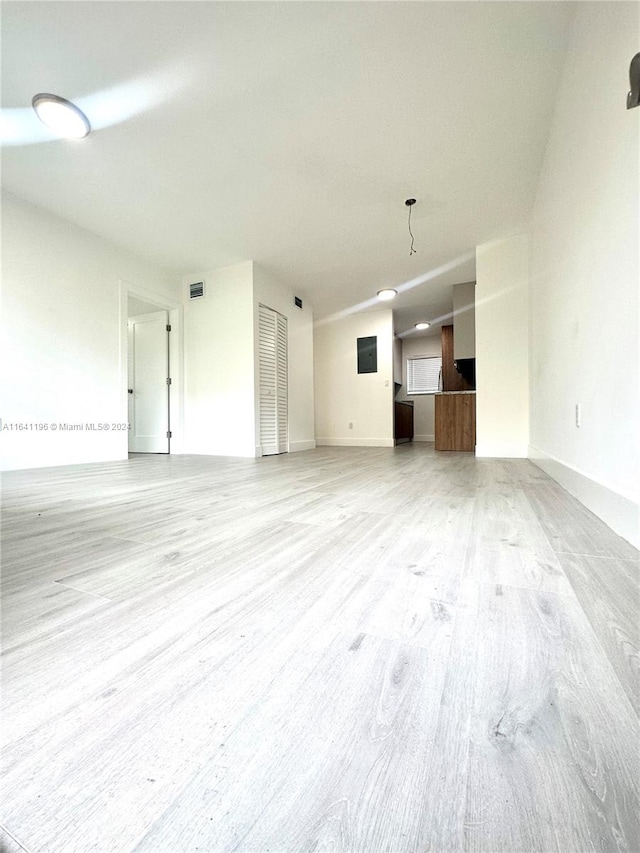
pixel 410 202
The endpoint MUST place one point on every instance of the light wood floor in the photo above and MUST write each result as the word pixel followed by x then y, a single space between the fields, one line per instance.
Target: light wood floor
pixel 342 650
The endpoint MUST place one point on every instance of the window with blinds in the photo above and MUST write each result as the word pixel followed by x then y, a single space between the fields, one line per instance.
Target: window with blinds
pixel 423 374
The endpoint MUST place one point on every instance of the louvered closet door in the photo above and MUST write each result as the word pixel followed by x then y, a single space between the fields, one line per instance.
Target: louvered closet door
pixel 273 382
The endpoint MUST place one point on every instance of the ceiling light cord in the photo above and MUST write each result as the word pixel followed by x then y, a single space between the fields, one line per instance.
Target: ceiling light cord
pixel 410 202
pixel 412 251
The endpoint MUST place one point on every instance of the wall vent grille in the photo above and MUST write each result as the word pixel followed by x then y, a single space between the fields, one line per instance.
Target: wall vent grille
pixel 196 290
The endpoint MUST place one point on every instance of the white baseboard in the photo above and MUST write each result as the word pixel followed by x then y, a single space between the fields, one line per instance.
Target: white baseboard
pixel 424 438
pixel 355 442
pixel 295 446
pixel 501 450
pixel 620 513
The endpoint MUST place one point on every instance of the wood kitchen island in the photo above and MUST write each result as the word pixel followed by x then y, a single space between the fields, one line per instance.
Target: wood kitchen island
pixel 455 420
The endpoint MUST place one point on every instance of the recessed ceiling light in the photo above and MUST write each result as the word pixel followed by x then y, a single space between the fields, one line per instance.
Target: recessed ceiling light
pixel 387 294
pixel 61 116
pixel 422 325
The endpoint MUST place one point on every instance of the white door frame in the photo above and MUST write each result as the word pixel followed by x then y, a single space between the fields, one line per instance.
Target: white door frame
pixel 176 337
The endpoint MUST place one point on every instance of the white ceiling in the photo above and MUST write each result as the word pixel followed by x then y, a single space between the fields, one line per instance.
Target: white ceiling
pixel 291 133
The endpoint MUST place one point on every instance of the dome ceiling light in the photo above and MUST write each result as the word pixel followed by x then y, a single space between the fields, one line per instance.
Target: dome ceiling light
pixel 387 294
pixel 61 116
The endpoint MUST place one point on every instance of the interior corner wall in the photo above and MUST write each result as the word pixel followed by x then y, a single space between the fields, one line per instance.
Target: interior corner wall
pixel 584 266
pixel 464 320
pixel 423 404
pixel 268 291
pixel 343 396
pixel 219 381
pixel 61 347
pixel 502 354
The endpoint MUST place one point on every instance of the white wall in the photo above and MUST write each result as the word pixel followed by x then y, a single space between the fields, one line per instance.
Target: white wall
pixel 62 346
pixel 343 395
pixel 268 291
pixel 136 306
pixel 219 380
pixel 584 263
pixel 423 404
pixel 397 360
pixel 464 320
pixel 502 342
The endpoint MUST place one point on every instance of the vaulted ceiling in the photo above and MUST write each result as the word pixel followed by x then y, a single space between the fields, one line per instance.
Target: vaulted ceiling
pixel 290 133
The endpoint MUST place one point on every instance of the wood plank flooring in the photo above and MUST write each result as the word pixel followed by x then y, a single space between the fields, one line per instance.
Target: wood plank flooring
pixel 348 650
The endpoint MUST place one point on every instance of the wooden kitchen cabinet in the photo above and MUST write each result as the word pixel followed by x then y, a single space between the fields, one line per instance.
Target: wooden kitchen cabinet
pixel 403 421
pixel 455 421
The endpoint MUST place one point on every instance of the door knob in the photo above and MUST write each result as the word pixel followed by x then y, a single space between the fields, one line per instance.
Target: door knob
pixel 130 390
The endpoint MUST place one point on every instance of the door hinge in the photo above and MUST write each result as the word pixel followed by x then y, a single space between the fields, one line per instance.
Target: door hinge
pixel 168 327
pixel 169 433
pixel 168 380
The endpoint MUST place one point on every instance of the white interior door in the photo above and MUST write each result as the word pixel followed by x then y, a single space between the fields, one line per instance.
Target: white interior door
pixel 148 386
pixel 274 418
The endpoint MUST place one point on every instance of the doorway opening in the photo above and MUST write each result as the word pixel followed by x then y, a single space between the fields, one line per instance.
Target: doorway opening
pixel 151 368
pixel 149 379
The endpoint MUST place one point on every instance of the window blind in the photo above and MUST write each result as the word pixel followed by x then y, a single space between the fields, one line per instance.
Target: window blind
pixel 423 374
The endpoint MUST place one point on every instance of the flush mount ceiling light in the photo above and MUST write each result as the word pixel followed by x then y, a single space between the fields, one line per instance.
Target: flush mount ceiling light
pixel 387 294
pixel 422 325
pixel 61 116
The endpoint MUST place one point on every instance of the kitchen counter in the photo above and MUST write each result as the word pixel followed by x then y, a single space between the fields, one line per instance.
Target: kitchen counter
pixel 454 392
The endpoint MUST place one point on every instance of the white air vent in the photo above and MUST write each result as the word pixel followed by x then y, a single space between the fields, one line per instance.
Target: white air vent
pixel 196 290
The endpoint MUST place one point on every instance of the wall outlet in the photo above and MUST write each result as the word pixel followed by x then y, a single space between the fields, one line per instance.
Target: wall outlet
pixel 578 415
pixel 350 425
